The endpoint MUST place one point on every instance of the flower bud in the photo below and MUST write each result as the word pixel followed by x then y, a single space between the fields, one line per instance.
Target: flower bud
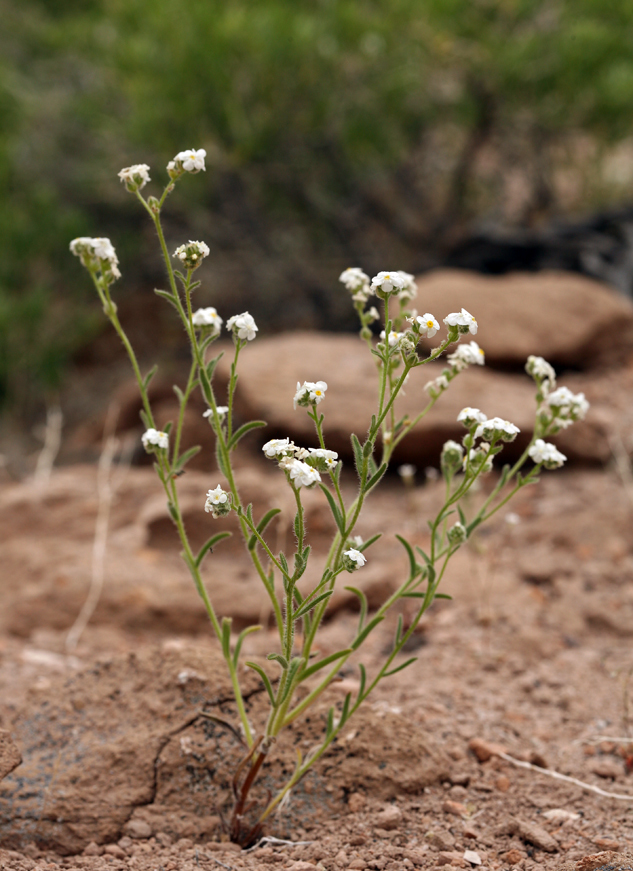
pixel 135 177
pixel 457 534
pixel 192 254
pixel 451 457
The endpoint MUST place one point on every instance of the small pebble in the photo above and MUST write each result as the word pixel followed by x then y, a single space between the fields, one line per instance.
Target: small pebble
pixel 454 807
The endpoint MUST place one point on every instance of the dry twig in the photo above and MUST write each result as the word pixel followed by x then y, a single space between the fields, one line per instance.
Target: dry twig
pixel 557 776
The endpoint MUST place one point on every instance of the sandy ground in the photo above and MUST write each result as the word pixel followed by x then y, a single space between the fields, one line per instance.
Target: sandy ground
pixel 532 656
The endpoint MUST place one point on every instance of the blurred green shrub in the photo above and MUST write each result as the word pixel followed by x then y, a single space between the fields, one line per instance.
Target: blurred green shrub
pixel 338 132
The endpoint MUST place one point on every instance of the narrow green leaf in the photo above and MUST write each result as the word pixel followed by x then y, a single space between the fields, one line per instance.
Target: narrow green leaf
pixel 208 546
pixel 399 627
pixel 365 632
pixel 323 662
pixel 338 519
pixel 363 679
pixel 219 458
pixel 284 562
pixel 168 426
pixel 462 516
pixel 358 453
pixel 168 296
pixel 364 605
pixel 240 640
pixel 184 458
pixel 368 448
pixel 297 525
pixel 372 468
pixel 246 427
pixel 330 724
pixel 400 667
pixel 369 542
pixel 226 637
pixel 149 376
pixel 413 565
pixel 311 603
pixel 261 526
pixel 443 596
pixel 345 711
pixel 375 478
pixel 295 665
pixel 424 555
pixel 179 393
pixel 210 367
pixel 173 512
pixel 146 421
pixel 277 657
pixel 266 680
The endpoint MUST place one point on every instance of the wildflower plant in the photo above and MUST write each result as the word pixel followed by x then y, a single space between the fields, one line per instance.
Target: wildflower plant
pixel 296 675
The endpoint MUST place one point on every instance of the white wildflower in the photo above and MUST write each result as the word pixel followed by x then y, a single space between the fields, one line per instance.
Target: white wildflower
pixel 243 326
pixel 394 337
pixel 153 438
pixel 466 355
pixel 96 253
pixel 547 454
pixel 426 324
pixel 222 411
pixel 309 392
pixel 218 502
pixel 356 281
pixel 302 475
pixel 463 320
pixel 457 534
pixel 192 254
pixel 353 559
pixel 409 287
pixel 496 428
pixel 568 404
pixel 189 161
pixel 208 317
pixel 386 283
pixel 540 369
pixel 135 177
pixel 277 447
pixel 437 386
pixel 470 416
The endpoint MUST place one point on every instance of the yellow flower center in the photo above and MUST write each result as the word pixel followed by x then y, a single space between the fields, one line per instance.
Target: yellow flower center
pixel 429 323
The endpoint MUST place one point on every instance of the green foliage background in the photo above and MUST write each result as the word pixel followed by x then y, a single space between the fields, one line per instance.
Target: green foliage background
pixel 339 132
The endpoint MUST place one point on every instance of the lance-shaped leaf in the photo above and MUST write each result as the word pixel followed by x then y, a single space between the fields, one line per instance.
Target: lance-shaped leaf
pixel 168 296
pixel 358 453
pixel 364 605
pixel 184 458
pixel 317 666
pixel 266 681
pixel 209 544
pixel 308 605
pixel 149 376
pixel 240 641
pixel 400 667
pixel 261 526
pixel 375 478
pixel 210 367
pixel 365 632
pixel 338 517
pixel 246 427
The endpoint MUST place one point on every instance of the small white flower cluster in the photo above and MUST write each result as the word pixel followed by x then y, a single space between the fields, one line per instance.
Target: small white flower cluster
pixel 97 253
pixel 222 411
pixel 394 338
pixel 547 454
pixel 153 439
pixel 218 503
pixel 187 161
pixel 461 322
pixel 461 358
pixel 558 407
pixel 303 465
pixel 208 319
pixel 479 457
pixel 135 177
pixel 309 393
pixel 192 253
pixel 353 559
pixel 384 284
pixel 243 327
